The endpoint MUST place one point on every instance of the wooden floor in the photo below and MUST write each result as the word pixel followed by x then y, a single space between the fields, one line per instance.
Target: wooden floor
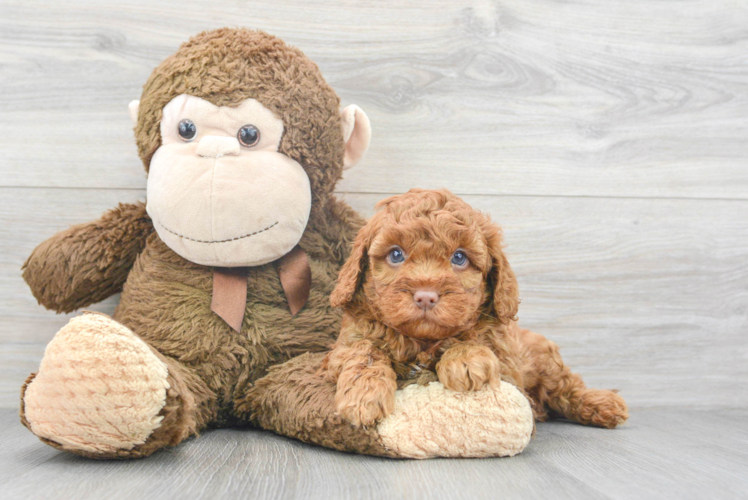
pixel 608 138
pixel 662 454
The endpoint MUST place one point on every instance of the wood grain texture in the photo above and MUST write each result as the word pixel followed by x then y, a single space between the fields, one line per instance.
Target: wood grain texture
pixel 664 454
pixel 642 98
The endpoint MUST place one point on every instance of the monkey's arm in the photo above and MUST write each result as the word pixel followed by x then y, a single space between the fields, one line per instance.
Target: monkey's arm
pixel 88 262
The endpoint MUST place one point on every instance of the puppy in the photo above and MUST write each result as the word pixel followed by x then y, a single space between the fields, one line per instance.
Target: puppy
pixel 428 293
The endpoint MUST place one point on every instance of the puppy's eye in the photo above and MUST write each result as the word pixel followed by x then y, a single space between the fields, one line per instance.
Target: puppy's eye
pixel 396 256
pixel 248 136
pixel 459 258
pixel 186 130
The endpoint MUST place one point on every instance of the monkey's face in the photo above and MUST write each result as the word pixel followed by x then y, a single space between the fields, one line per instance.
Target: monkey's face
pixel 219 192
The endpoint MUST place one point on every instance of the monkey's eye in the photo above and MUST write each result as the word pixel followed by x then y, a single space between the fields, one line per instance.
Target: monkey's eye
pixel 459 259
pixel 248 136
pixel 186 130
pixel 396 256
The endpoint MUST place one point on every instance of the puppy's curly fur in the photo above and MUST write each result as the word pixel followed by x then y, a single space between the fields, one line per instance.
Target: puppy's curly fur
pixel 432 244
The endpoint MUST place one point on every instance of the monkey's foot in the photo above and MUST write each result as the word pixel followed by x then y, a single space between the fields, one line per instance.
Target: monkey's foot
pixel 99 390
pixel 432 421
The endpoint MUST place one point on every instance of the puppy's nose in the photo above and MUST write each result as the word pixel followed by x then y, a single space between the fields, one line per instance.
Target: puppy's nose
pixel 426 299
pixel 212 146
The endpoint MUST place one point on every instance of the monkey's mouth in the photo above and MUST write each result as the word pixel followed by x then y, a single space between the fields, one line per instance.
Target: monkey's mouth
pixel 219 241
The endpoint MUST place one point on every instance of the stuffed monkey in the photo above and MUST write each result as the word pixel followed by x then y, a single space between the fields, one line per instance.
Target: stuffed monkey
pixel 226 274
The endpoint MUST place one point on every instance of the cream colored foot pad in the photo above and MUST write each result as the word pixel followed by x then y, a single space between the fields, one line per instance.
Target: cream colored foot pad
pixel 431 421
pixel 99 387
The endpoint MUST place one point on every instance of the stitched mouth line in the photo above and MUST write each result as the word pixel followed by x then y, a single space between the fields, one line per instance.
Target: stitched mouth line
pixel 220 241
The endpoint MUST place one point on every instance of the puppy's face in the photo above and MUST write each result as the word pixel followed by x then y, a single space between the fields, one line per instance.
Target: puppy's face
pixel 428 265
pixel 426 277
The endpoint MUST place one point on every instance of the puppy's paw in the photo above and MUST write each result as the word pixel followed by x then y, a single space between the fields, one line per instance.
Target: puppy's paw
pixel 365 397
pixel 602 408
pixel 468 367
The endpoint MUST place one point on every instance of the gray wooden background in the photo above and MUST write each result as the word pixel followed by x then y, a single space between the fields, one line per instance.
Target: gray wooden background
pixel 609 138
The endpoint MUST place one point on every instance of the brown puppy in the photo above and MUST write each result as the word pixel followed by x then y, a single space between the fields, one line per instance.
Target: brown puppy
pixel 427 290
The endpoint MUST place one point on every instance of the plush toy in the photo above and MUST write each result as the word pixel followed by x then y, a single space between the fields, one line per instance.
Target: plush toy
pixel 226 275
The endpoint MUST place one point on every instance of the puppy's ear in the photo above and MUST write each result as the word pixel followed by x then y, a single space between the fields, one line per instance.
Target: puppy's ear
pixel 501 276
pixel 350 274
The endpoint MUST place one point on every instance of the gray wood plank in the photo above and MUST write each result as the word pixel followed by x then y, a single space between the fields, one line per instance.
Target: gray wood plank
pixel 665 460
pixel 505 97
pixel 657 455
pixel 647 296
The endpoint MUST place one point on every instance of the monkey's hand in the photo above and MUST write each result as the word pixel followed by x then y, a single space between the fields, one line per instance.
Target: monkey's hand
pixel 89 262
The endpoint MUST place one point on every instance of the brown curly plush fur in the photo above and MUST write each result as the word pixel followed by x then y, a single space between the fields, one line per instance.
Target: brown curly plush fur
pixel 469 338
pixel 166 300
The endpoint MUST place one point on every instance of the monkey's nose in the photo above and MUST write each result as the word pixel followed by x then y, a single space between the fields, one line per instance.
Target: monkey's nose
pixel 426 299
pixel 213 146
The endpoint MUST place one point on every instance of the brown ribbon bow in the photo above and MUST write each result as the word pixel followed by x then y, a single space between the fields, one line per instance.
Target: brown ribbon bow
pixel 230 287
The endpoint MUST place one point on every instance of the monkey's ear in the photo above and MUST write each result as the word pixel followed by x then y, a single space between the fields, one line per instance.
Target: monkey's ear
pixel 133 107
pixel 354 267
pixel 505 287
pixel 356 134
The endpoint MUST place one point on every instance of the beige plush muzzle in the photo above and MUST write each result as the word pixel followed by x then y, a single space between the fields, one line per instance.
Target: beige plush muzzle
pixel 223 211
pixel 216 202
